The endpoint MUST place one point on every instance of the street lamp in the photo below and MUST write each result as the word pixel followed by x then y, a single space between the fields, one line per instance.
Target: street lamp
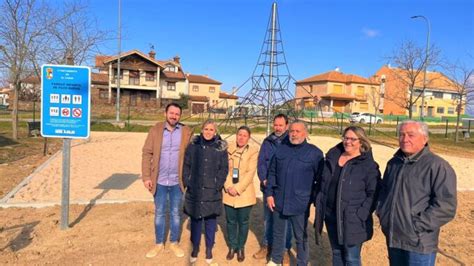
pixel 426 64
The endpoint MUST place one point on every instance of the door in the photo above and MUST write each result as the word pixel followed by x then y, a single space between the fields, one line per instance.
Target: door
pixel 430 111
pixel 338 106
pixel 198 108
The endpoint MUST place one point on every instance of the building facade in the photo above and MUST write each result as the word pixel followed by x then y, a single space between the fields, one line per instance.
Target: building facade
pixel 335 91
pixel 441 98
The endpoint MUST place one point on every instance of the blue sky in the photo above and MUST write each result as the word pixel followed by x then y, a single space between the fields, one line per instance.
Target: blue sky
pixel 222 38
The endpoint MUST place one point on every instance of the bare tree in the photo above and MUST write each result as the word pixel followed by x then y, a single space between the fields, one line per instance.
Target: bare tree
pixel 461 78
pixel 410 61
pixel 21 27
pixel 33 33
pixel 375 94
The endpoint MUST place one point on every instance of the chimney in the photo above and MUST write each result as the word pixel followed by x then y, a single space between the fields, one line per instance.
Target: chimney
pixel 177 59
pixel 152 54
pixel 234 90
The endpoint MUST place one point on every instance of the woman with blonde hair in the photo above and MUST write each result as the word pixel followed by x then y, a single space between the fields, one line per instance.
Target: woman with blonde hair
pixel 205 170
pixel 347 192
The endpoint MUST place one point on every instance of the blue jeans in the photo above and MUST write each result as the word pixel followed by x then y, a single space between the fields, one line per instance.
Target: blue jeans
pixel 398 256
pixel 163 195
pixel 268 227
pixel 342 255
pixel 299 223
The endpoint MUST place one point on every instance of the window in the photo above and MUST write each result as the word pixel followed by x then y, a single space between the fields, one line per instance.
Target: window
pixel 195 88
pixel 133 77
pixel 364 106
pixel 455 96
pixel 438 95
pixel 311 88
pixel 413 108
pixel 145 97
pixel 115 75
pixel 150 76
pixel 337 88
pixel 450 110
pixel 171 86
pixel 212 89
pixel 440 110
pixel 360 91
pixel 103 94
pixel 170 68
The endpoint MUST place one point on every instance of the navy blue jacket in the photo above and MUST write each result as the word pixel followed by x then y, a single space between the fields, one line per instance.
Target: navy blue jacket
pixel 267 150
pixel 205 170
pixel 293 171
pixel 355 196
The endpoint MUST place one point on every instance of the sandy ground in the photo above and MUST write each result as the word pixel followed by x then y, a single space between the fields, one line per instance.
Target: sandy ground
pixel 106 168
pixel 121 234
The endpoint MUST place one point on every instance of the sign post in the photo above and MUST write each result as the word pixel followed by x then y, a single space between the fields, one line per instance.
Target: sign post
pixel 65 113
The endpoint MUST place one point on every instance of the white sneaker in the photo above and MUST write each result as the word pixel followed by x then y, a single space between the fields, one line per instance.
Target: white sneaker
pixel 271 263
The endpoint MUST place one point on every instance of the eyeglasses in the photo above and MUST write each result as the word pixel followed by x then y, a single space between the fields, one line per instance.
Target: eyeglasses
pixel 351 139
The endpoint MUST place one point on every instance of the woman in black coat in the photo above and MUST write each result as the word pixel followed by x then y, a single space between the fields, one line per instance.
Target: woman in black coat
pixel 346 196
pixel 205 170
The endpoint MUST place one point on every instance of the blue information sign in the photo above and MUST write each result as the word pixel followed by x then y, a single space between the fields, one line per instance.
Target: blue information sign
pixel 65 101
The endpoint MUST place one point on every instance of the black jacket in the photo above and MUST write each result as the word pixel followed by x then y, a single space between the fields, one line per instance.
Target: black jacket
pixel 293 171
pixel 205 170
pixel 355 198
pixel 417 197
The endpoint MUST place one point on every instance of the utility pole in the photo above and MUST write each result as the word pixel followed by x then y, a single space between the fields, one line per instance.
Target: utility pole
pixel 117 100
pixel 422 111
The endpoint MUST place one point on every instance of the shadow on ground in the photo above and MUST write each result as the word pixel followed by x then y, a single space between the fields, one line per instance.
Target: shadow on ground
pixel 118 181
pixel 5 141
pixel 22 239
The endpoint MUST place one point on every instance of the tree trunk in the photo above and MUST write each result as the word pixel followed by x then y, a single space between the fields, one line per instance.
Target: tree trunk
pixel 15 111
pixel 458 110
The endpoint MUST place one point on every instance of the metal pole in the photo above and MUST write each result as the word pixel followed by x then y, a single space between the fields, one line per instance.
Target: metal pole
pixel 65 184
pixel 311 125
pixel 426 64
pixel 446 132
pixel 342 118
pixel 34 111
pixel 66 165
pixel 117 100
pixel 272 59
pixel 396 129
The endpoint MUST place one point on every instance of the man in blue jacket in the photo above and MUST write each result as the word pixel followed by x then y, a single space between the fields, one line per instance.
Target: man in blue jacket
pixel 292 173
pixel 267 150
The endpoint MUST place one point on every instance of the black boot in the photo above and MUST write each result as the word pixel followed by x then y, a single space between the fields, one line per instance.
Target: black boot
pixel 209 255
pixel 194 254
pixel 240 255
pixel 230 254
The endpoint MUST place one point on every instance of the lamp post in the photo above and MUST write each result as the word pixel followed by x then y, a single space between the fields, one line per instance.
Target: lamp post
pixel 117 100
pixel 426 63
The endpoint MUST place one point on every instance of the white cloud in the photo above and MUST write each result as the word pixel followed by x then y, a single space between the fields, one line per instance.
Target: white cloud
pixel 370 33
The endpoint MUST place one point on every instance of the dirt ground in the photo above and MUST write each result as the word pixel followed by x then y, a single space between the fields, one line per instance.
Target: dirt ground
pixel 117 234
pixel 106 169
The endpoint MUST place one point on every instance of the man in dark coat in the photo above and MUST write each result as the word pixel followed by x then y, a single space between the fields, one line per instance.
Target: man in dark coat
pixel 267 150
pixel 293 171
pixel 417 197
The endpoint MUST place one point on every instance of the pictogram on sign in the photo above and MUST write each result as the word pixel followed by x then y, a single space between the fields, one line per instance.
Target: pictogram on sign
pixel 65 112
pixel 77 112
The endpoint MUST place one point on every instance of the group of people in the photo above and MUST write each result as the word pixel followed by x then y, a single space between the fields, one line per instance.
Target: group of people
pixel 416 196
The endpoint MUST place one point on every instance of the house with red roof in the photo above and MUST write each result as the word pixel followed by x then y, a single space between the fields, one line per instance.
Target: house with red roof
pixel 335 91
